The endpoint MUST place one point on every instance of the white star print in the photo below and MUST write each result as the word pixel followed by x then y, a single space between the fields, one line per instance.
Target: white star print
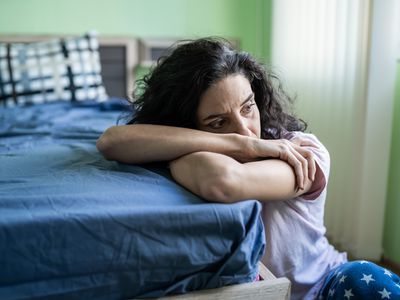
pixel 368 278
pixel 342 278
pixel 363 262
pixel 348 293
pixel 331 292
pixel 388 273
pixel 384 294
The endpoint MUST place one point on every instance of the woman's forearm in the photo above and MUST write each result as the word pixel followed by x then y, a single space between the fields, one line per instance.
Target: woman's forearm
pixel 141 143
pixel 220 178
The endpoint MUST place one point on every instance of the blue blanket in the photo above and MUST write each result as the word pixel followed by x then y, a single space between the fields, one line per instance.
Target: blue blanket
pixel 75 226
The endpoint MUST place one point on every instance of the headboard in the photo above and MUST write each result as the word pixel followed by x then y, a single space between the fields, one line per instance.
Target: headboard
pixel 118 55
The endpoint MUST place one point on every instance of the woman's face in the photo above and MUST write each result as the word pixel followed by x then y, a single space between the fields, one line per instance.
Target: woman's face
pixel 228 106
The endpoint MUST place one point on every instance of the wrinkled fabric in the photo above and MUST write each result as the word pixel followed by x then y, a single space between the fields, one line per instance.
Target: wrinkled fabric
pixel 75 226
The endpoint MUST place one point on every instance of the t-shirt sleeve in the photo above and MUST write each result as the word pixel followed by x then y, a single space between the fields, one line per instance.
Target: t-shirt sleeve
pixel 322 160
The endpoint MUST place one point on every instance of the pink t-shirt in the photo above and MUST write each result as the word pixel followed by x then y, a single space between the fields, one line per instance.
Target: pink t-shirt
pixel 296 244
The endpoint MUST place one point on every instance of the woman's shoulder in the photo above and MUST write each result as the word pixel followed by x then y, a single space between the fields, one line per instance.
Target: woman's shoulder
pixel 299 134
pixel 320 147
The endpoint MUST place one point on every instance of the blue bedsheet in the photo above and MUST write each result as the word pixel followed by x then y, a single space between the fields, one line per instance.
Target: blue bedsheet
pixel 75 226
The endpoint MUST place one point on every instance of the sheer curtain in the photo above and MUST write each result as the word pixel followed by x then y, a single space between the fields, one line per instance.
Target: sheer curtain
pixel 321 50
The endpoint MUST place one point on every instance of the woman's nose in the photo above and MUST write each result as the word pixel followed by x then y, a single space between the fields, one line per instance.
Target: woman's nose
pixel 241 127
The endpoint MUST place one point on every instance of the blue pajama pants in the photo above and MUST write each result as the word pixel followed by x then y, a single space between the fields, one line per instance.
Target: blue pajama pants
pixel 360 280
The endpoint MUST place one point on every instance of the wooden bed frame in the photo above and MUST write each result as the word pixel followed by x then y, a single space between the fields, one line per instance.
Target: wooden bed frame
pixel 269 287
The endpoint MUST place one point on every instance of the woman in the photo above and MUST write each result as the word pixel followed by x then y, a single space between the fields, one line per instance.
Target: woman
pixel 223 124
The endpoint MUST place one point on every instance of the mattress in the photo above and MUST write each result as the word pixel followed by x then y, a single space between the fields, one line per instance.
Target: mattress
pixel 76 226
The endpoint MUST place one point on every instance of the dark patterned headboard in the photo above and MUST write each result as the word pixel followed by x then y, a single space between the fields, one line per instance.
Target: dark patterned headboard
pixel 118 55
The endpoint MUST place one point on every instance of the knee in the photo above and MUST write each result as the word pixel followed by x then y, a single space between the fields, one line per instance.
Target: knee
pixel 361 272
pixel 364 280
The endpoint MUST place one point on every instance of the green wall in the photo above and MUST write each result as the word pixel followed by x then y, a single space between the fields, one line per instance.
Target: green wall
pixel 242 19
pixel 391 240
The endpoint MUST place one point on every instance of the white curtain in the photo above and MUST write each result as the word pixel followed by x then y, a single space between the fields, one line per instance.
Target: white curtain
pixel 321 50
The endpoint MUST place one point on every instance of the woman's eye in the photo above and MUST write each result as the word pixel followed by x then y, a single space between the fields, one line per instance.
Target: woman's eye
pixel 248 108
pixel 217 124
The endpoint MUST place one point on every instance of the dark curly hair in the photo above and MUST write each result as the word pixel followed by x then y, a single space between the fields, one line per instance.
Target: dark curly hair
pixel 170 94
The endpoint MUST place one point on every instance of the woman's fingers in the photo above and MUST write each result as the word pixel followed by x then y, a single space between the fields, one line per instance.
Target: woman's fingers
pixel 301 142
pixel 298 169
pixel 296 160
pixel 312 166
pixel 301 159
pixel 304 164
pixel 307 154
pixel 295 154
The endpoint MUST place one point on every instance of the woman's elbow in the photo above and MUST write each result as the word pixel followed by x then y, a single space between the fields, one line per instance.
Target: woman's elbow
pixel 212 176
pixel 223 188
pixel 104 144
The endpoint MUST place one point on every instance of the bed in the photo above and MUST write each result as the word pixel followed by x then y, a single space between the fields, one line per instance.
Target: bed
pixel 76 226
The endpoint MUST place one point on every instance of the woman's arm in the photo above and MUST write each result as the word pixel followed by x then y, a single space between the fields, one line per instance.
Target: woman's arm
pixel 142 143
pixel 217 177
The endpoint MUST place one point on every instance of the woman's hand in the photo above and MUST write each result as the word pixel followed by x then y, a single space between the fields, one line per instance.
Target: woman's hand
pixel 294 153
